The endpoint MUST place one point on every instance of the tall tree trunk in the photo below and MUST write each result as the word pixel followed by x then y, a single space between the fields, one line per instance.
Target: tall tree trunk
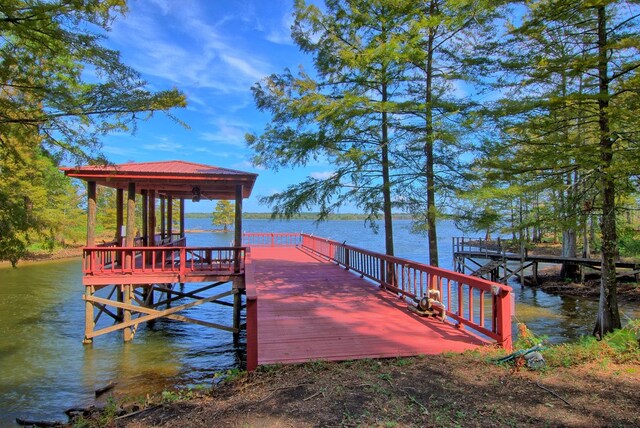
pixel 386 182
pixel 608 316
pixel 428 146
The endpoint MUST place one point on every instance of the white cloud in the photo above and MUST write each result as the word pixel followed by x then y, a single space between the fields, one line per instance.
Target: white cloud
pixel 172 41
pixel 281 34
pixel 323 175
pixel 226 131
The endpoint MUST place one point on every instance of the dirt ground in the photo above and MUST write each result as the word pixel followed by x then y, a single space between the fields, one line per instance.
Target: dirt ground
pixel 466 390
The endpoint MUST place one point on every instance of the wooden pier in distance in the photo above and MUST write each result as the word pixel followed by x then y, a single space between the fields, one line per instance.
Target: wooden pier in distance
pixel 493 261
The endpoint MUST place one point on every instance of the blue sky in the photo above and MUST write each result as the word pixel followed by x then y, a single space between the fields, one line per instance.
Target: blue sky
pixel 213 51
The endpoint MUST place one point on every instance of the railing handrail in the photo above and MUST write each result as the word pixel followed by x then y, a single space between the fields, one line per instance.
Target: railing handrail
pixel 271 239
pixel 166 259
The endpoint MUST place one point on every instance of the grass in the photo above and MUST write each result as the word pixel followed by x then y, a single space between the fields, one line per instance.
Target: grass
pixel 620 347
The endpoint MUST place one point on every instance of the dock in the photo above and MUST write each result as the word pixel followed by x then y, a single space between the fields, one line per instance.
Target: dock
pixel 491 259
pixel 311 298
pixel 311 309
pixel 304 297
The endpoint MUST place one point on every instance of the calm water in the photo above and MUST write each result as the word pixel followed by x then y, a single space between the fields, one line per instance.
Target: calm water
pixel 44 368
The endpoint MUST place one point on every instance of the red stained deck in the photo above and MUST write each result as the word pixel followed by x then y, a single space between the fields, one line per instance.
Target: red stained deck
pixel 311 309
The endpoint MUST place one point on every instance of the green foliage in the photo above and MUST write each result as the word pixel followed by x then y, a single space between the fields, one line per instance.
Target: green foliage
pixel 383 110
pixel 170 396
pixel 61 91
pixel 223 214
pixel 50 49
pixel 622 346
pixel 629 242
pixel 231 375
pixel 38 204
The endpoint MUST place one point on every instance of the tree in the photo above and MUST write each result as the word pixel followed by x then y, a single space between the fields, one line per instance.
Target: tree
pixel 37 203
pixel 440 43
pixel 223 215
pixel 568 116
pixel 345 115
pixel 61 90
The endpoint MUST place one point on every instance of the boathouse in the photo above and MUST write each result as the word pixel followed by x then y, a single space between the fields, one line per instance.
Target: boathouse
pixel 142 267
pixel 305 297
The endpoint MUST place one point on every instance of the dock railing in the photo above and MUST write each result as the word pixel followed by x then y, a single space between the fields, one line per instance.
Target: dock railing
pixel 271 239
pixel 98 261
pixel 478 304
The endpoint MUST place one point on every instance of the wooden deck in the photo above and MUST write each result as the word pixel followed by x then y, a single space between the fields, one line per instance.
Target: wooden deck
pixel 310 309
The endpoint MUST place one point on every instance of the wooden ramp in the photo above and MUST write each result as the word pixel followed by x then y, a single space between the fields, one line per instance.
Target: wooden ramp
pixel 311 309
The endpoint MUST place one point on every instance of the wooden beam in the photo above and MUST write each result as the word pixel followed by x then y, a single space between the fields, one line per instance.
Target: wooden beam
pixel 169 215
pixel 145 217
pixel 151 313
pixel 152 218
pixel 238 217
pixel 163 224
pixel 91 213
pixel 126 318
pixel 131 216
pixel 119 215
pixel 89 324
pixel 182 218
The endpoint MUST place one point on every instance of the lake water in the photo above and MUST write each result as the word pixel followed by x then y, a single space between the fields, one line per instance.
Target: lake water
pixel 45 369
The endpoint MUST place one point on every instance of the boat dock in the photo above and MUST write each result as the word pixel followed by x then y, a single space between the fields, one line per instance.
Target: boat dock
pixel 304 298
pixel 490 259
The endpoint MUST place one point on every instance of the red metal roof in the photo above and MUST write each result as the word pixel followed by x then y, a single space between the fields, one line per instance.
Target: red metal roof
pixel 172 178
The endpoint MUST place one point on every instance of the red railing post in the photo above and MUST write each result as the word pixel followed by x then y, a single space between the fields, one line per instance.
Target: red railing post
pixel 183 262
pixel 503 318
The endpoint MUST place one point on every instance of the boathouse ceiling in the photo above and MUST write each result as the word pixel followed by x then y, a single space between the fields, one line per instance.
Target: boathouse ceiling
pixel 178 179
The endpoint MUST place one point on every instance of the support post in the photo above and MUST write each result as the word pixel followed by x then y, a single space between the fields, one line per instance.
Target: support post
pixel 125 315
pixel 169 216
pixel 91 241
pixel 163 224
pixel 131 220
pixel 91 213
pixel 237 308
pixel 502 308
pixel 152 218
pixel 119 222
pixel 182 218
pixel 127 331
pixel 145 217
pixel 238 227
pixel 89 324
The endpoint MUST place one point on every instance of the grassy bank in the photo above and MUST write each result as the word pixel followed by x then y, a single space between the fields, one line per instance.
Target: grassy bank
pixel 588 383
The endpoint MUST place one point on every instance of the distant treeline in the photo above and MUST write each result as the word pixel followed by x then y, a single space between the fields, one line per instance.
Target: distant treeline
pixel 302 216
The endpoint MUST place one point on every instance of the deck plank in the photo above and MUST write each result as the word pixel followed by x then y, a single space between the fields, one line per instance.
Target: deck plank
pixel 309 309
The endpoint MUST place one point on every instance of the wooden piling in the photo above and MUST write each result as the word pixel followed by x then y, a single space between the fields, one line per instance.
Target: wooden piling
pixel 89 324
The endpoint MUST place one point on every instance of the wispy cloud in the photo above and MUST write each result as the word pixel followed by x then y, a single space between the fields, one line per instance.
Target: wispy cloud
pixel 171 40
pixel 281 34
pixel 323 175
pixel 165 145
pixel 227 131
